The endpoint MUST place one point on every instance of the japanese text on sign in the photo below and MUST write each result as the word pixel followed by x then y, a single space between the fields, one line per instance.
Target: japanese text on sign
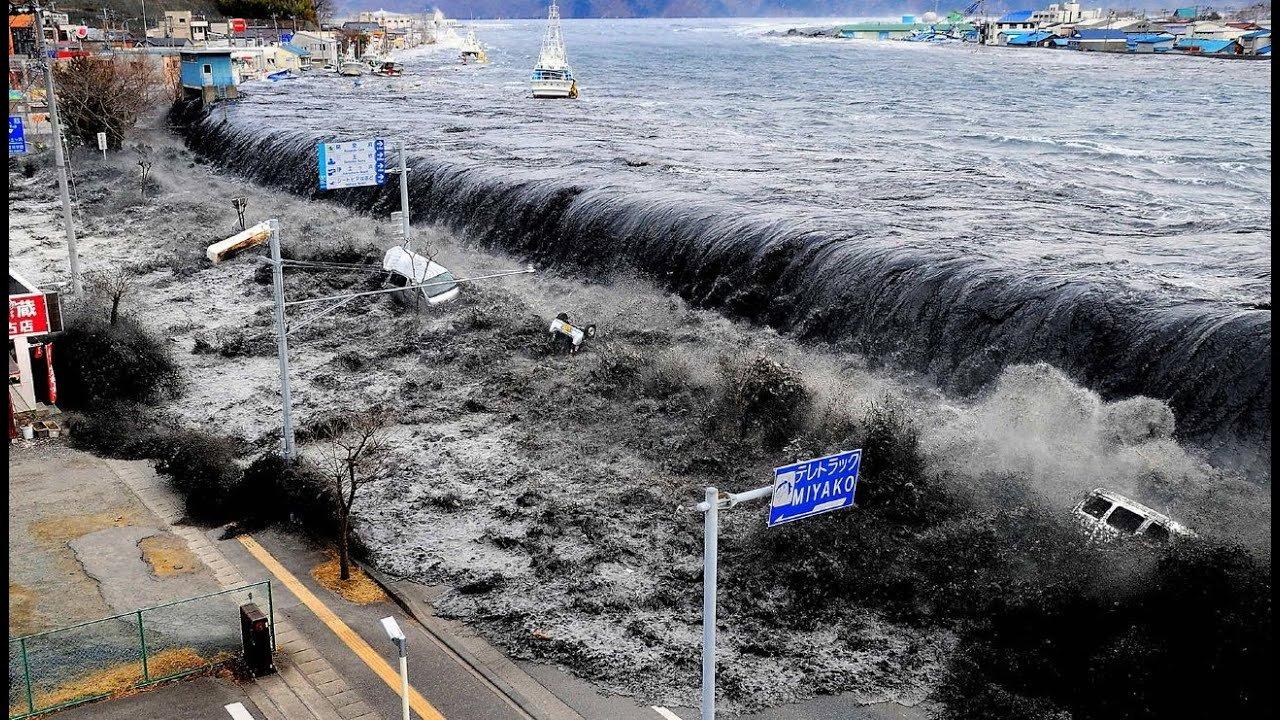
pixel 352 164
pixel 28 315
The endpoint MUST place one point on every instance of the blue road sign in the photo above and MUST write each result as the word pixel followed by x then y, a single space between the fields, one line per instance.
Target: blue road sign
pixel 17 136
pixel 352 164
pixel 813 487
pixel 286 37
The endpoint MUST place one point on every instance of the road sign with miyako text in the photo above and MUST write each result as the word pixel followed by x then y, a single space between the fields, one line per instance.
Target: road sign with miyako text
pixel 17 136
pixel 813 487
pixel 352 164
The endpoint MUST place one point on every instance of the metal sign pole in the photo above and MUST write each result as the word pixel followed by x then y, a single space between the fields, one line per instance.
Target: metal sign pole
pixel 404 680
pixel 282 342
pixel 710 532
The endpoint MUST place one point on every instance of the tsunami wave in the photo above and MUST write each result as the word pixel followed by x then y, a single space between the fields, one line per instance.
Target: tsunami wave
pixel 956 319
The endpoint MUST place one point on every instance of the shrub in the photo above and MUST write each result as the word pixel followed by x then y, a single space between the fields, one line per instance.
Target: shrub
pixel 202 468
pixel 123 430
pixel 763 399
pixel 274 490
pixel 97 362
pixel 104 93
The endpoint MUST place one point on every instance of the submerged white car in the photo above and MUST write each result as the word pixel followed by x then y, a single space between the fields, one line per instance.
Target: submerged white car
pixel 409 268
pixel 1110 515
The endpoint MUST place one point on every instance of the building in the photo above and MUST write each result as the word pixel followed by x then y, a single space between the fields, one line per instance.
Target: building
pixel 209 74
pixel 1013 23
pixel 1256 42
pixel 1208 46
pixel 1058 13
pixel 321 44
pixel 34 316
pixel 877 31
pixel 388 20
pixel 1039 38
pixel 1151 43
pixel 1099 41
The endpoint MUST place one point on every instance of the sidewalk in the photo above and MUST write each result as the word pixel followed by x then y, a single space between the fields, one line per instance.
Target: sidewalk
pixel 306 686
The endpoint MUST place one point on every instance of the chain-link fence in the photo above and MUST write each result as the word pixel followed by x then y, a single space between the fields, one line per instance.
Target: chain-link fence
pixel 91 660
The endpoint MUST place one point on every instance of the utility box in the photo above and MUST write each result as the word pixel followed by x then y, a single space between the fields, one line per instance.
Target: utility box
pixel 255 631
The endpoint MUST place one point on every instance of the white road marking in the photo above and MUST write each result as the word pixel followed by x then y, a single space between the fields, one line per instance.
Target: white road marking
pixel 237 712
pixel 665 713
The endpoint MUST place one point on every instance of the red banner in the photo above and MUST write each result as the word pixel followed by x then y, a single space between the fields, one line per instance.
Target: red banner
pixel 28 315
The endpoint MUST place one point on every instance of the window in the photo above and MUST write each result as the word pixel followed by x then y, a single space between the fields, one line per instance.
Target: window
pixel 1156 531
pixel 1096 506
pixel 1125 520
pixel 208 69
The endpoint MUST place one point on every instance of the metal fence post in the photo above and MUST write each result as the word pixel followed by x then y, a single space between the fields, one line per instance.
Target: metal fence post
pixel 26 675
pixel 710 530
pixel 271 613
pixel 142 645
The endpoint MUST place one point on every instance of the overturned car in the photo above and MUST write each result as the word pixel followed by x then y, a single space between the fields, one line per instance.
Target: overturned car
pixel 1109 515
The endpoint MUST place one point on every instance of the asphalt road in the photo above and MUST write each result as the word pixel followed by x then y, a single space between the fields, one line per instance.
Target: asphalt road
pixel 203 698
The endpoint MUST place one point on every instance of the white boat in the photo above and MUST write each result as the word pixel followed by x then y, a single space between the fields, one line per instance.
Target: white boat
pixel 352 68
pixel 472 50
pixel 552 77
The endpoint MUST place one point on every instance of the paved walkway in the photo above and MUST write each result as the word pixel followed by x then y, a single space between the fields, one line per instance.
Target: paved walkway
pixel 306 686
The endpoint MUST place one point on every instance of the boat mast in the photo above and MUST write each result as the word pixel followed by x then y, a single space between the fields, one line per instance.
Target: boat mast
pixel 553 54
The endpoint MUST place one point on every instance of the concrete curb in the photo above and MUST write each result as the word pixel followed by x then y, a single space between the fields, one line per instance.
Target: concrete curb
pixel 447 638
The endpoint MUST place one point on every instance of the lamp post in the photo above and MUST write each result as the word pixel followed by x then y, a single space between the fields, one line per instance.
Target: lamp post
pixel 396 635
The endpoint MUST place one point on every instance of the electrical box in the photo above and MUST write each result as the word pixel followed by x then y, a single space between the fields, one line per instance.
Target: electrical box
pixel 255 631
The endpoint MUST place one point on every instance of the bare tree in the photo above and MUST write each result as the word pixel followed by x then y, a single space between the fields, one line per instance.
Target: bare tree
pixel 111 285
pixel 104 93
pixel 357 455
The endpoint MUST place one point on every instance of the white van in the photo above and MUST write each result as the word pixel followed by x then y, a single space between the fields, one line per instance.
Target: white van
pixel 409 268
pixel 1112 515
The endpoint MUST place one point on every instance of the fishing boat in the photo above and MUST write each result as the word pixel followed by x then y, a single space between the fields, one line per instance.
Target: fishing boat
pixel 282 75
pixel 389 69
pixel 472 50
pixel 352 67
pixel 552 77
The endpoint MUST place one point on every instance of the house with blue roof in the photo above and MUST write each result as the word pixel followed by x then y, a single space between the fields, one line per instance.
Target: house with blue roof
pixel 1039 38
pixel 1091 40
pixel 208 73
pixel 1151 42
pixel 1014 23
pixel 1254 41
pixel 1208 46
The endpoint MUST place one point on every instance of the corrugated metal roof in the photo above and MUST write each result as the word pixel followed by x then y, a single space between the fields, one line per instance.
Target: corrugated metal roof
pixel 1030 38
pixel 300 52
pixel 1151 38
pixel 1017 16
pixel 1101 35
pixel 1206 45
pixel 22 21
pixel 1256 34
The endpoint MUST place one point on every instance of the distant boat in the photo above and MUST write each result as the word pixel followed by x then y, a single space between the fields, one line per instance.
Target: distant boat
pixel 389 69
pixel 472 50
pixel 282 75
pixel 352 68
pixel 552 77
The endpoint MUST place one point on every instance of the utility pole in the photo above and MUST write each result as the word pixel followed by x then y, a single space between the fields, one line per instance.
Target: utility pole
pixel 404 195
pixel 282 342
pixel 59 159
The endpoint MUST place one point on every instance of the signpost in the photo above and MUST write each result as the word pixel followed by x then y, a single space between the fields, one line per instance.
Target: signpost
pixel 361 163
pixel 813 487
pixel 800 490
pixel 29 314
pixel 102 144
pixel 17 136
pixel 352 164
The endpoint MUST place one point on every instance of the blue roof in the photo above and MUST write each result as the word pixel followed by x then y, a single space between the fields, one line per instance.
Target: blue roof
pixel 1264 51
pixel 299 51
pixel 1256 34
pixel 1030 38
pixel 1101 35
pixel 1060 42
pixel 1206 45
pixel 1017 16
pixel 1151 38
pixel 1186 12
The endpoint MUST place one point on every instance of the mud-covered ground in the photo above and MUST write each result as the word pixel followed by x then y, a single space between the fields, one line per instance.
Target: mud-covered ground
pixel 553 491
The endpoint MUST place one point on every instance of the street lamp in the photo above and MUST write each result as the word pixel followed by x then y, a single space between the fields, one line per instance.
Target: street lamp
pixel 390 625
